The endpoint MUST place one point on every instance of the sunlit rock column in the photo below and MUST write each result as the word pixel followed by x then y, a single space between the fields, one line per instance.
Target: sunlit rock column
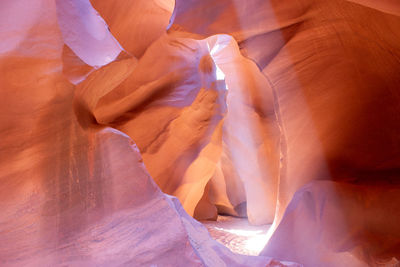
pixel 73 192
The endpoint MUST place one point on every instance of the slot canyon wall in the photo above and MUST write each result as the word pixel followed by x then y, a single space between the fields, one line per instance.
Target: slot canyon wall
pixel 122 121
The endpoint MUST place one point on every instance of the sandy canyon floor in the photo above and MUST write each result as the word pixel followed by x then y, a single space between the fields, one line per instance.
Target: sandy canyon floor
pixel 238 235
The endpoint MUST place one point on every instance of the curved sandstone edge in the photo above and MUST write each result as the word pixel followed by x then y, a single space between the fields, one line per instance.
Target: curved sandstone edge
pixel 204 99
pixel 334 71
pixel 136 24
pixel 73 192
pixel 342 223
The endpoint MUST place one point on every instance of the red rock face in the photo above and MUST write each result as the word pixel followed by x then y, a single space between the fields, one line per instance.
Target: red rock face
pixel 334 72
pixel 282 113
pixel 75 192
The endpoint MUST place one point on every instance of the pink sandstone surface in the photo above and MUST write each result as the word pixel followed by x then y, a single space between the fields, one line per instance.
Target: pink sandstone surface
pixel 283 113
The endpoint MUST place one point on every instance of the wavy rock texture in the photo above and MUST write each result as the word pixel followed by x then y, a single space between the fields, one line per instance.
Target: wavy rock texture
pixel 283 113
pixel 73 192
pixel 182 148
pixel 334 71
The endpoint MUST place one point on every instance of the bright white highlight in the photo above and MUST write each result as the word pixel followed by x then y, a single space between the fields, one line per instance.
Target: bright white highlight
pixel 219 73
pixel 252 241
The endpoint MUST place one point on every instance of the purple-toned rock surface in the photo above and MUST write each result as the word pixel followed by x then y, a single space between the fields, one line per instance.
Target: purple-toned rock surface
pixel 286 114
pixel 73 192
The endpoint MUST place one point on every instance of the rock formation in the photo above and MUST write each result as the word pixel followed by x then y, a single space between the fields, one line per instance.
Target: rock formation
pixel 334 71
pixel 284 113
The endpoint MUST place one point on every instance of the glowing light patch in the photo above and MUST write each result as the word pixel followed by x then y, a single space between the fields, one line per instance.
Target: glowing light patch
pixel 252 241
pixel 220 74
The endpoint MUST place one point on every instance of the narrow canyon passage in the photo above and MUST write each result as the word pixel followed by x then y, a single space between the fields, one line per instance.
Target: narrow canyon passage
pixel 204 133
